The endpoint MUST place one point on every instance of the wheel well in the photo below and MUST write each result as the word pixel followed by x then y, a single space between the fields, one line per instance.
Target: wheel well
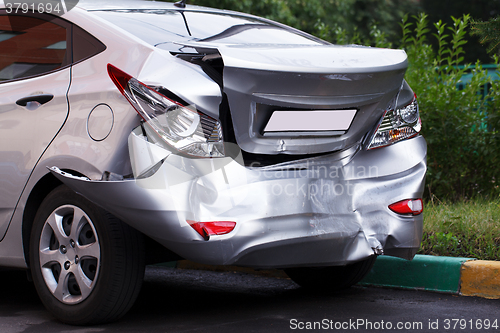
pixel 44 186
pixel 155 253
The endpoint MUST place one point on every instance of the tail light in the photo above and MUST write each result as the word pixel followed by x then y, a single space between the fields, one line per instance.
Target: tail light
pixel 182 127
pixel 409 206
pixel 397 124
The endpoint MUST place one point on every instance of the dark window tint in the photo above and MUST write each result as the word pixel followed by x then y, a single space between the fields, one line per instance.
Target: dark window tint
pixel 30 46
pixel 85 45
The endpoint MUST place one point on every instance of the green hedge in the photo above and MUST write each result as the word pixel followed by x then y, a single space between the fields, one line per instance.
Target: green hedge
pixel 461 126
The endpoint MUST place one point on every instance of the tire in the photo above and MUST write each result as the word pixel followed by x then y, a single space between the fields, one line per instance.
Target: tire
pixel 331 278
pixel 88 272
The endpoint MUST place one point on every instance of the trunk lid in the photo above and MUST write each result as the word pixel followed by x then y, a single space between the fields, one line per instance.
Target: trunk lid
pixel 342 89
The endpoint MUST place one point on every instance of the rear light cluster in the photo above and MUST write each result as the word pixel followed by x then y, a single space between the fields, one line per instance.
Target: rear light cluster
pixel 409 206
pixel 397 124
pixel 182 127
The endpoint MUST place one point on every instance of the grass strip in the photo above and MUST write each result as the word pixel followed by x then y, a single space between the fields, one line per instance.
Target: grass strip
pixel 469 229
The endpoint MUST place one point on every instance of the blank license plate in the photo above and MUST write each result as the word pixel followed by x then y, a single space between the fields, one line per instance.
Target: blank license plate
pixel 310 121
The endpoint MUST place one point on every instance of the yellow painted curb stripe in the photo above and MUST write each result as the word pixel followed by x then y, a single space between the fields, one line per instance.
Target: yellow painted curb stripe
pixel 480 278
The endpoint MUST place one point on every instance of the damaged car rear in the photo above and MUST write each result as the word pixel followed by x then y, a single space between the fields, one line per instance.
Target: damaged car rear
pixel 142 132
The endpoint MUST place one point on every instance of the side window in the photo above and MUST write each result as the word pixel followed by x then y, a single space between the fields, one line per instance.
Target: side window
pixel 30 46
pixel 85 45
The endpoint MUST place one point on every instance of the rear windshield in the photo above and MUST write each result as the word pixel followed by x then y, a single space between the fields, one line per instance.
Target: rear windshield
pixel 157 26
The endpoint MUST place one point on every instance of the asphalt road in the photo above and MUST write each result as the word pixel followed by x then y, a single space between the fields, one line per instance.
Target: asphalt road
pixel 200 301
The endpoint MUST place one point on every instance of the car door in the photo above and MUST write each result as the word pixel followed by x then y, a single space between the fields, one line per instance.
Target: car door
pixel 34 79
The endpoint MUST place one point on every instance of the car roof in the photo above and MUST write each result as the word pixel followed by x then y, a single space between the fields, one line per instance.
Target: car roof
pixel 113 4
pixel 91 5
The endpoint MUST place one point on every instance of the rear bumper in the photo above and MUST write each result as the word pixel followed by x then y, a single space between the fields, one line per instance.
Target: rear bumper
pixel 329 210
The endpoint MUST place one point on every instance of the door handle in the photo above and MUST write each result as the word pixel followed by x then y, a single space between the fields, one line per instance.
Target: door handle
pixel 40 99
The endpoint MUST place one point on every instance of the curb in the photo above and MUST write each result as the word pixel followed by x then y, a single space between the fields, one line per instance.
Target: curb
pixel 481 278
pixel 441 274
pixel 460 276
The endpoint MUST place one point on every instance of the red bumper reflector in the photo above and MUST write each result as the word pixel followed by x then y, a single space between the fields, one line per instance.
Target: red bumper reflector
pixel 409 206
pixel 207 229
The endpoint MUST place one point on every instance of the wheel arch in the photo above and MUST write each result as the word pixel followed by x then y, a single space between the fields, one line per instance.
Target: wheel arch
pixel 155 253
pixel 42 188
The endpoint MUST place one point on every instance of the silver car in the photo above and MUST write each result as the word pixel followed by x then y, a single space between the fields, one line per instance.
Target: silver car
pixel 135 132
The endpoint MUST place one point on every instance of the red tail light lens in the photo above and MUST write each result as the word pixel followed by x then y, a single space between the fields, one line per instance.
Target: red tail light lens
pixel 119 78
pixel 207 229
pixel 409 206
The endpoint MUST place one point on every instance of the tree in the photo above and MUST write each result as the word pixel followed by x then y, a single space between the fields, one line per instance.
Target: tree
pixel 488 32
pixel 480 10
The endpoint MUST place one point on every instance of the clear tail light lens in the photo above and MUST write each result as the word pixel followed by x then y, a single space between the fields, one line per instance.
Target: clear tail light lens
pixel 397 124
pixel 409 206
pixel 181 126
